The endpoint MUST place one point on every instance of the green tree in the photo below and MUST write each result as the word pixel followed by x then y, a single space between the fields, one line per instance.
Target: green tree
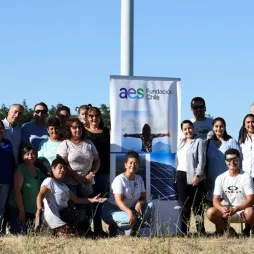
pixel 3 111
pixel 105 112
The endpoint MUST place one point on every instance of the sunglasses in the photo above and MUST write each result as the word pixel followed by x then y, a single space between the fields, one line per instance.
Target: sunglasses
pixel 38 111
pixel 96 115
pixel 235 159
pixel 198 107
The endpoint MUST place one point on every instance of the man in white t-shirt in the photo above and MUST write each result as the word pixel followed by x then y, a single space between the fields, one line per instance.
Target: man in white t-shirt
pixel 202 124
pixel 233 197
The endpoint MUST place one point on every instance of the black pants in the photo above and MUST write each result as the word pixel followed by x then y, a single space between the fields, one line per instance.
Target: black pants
pixel 191 198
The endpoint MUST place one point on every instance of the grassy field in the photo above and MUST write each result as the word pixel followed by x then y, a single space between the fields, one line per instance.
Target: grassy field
pixel 119 245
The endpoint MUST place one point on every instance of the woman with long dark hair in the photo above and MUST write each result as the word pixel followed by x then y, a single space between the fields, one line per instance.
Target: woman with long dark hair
pixel 217 146
pixel 146 137
pixel 247 144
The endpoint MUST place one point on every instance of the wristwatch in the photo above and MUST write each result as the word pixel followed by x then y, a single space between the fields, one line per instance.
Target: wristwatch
pixel 197 176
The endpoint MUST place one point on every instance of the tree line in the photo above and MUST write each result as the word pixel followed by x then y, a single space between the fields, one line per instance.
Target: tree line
pixel 27 116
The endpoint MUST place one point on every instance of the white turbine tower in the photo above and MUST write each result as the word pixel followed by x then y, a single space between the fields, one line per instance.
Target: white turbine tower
pixel 127 27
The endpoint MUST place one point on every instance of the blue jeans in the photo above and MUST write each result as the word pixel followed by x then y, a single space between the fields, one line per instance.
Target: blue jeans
pixel 111 214
pixel 4 193
pixel 100 187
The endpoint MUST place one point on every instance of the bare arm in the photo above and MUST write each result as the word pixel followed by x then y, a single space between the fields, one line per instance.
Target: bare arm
pixel 84 201
pixel 44 191
pixel 18 182
pixel 248 203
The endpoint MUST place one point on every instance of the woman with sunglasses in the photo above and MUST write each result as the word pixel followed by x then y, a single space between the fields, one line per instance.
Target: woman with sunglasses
pixel 26 186
pixel 100 136
pixel 126 210
pixel 247 144
pixel 216 147
pixel 189 177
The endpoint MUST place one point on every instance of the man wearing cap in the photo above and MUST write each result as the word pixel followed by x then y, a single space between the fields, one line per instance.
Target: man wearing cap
pixel 233 196
pixel 202 124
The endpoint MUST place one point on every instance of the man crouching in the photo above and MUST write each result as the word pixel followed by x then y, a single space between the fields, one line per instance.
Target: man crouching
pixel 233 195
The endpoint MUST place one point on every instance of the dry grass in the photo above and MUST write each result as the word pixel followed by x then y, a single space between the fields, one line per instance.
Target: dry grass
pixel 119 245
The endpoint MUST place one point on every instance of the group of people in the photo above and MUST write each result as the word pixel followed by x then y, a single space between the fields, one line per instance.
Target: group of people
pixel 215 171
pixel 55 171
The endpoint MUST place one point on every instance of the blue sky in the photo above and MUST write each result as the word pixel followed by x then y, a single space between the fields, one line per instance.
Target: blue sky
pixel 65 51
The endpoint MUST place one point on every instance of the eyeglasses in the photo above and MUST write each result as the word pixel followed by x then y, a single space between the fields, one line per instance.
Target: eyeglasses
pixel 198 107
pixel 38 111
pixel 235 159
pixel 96 115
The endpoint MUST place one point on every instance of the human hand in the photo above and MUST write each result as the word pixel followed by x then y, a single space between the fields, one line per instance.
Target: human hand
pixel 22 216
pixel 38 212
pixel 98 199
pixel 89 177
pixel 132 218
pixel 225 211
pixel 195 181
pixel 232 211
pixel 138 207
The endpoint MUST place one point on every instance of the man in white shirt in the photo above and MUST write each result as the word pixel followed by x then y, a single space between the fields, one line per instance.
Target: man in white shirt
pixel 233 197
pixel 12 130
pixel 202 124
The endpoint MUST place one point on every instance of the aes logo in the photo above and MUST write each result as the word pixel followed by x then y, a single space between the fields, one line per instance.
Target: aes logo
pixel 131 93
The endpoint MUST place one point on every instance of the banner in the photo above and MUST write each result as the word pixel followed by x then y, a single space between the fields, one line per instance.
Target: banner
pixel 145 117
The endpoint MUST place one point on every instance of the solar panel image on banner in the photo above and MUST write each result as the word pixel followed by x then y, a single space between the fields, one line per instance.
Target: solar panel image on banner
pixel 162 181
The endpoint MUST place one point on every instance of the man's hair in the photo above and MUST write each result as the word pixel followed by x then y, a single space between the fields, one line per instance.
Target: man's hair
pixel 53 121
pixel 62 107
pixel 197 99
pixel 14 105
pixel 232 151
pixel 41 104
pixel 57 161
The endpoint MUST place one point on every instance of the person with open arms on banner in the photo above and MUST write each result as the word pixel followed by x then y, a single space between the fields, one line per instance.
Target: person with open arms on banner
pixel 233 196
pixel 146 137
pixel 190 176
pixel 126 210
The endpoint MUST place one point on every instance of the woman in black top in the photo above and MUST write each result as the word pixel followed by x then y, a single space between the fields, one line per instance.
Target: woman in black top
pixel 100 136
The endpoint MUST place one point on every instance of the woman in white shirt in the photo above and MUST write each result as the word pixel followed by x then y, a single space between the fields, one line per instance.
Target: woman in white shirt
pixel 246 142
pixel 247 149
pixel 53 200
pixel 127 209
